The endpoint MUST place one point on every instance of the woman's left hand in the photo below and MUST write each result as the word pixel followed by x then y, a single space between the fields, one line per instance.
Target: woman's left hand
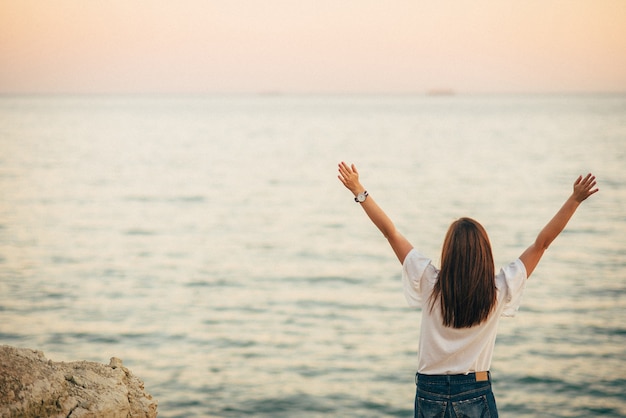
pixel 349 176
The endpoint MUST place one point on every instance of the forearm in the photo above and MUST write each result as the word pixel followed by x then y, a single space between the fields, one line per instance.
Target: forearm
pixel 373 211
pixel 400 245
pixel 557 223
pixel 379 217
pixel 583 188
pixel 349 176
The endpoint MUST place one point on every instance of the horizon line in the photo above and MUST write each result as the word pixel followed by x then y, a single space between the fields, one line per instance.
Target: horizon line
pixel 434 93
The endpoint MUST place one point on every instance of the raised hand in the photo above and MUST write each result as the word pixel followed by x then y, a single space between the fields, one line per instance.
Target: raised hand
pixel 349 176
pixel 584 187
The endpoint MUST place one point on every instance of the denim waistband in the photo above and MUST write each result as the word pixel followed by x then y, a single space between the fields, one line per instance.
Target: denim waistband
pixel 453 378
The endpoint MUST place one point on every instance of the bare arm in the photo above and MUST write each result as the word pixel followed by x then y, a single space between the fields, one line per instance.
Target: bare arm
pixel 349 176
pixel 583 188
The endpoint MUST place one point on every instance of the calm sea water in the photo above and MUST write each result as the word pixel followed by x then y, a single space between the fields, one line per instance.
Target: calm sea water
pixel 207 242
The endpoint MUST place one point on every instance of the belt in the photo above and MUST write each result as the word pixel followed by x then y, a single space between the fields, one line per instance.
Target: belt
pixel 448 378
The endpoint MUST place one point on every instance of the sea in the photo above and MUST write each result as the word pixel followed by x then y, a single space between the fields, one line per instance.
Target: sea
pixel 207 242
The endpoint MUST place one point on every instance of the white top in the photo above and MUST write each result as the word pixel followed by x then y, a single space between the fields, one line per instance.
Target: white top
pixel 447 350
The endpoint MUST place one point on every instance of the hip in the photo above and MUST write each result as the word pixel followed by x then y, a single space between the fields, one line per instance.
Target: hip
pixel 455 395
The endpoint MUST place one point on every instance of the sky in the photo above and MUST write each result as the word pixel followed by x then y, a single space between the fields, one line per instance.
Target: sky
pixel 312 46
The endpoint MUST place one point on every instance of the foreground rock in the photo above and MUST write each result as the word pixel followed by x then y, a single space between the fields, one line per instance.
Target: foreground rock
pixel 32 386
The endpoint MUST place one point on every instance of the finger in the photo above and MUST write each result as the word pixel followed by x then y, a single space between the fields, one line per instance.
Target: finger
pixel 347 171
pixel 354 169
pixel 344 176
pixel 578 180
pixel 590 183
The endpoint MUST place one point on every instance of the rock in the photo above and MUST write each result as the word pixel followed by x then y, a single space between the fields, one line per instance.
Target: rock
pixel 32 386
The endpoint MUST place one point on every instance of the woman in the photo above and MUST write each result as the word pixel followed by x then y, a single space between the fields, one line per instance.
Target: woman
pixel 462 302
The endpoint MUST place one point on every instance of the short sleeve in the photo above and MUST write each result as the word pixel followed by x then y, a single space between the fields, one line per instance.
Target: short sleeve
pixel 413 268
pixel 514 276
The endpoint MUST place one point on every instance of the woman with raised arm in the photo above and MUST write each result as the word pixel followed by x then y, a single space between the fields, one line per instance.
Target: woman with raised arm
pixel 461 302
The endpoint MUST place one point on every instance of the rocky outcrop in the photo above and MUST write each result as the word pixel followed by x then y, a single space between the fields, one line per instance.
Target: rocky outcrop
pixel 32 386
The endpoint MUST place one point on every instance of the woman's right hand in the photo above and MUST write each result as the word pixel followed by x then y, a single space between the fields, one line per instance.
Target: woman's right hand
pixel 584 187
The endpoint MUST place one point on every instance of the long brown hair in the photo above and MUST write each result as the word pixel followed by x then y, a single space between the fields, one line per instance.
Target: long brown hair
pixel 466 285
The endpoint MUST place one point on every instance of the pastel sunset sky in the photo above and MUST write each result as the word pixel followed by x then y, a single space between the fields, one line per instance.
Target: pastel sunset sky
pixel 312 46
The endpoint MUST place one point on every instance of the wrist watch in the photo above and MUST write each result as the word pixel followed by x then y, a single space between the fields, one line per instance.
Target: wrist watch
pixel 360 198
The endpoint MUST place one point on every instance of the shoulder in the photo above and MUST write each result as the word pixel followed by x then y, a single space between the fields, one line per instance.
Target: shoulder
pixel 415 263
pixel 515 269
pixel 418 268
pixel 511 282
pixel 418 277
pixel 512 274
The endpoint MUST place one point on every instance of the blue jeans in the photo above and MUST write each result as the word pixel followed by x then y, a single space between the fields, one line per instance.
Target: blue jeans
pixel 454 396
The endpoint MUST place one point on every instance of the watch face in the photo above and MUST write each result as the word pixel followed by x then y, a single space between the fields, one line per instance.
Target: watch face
pixel 361 197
